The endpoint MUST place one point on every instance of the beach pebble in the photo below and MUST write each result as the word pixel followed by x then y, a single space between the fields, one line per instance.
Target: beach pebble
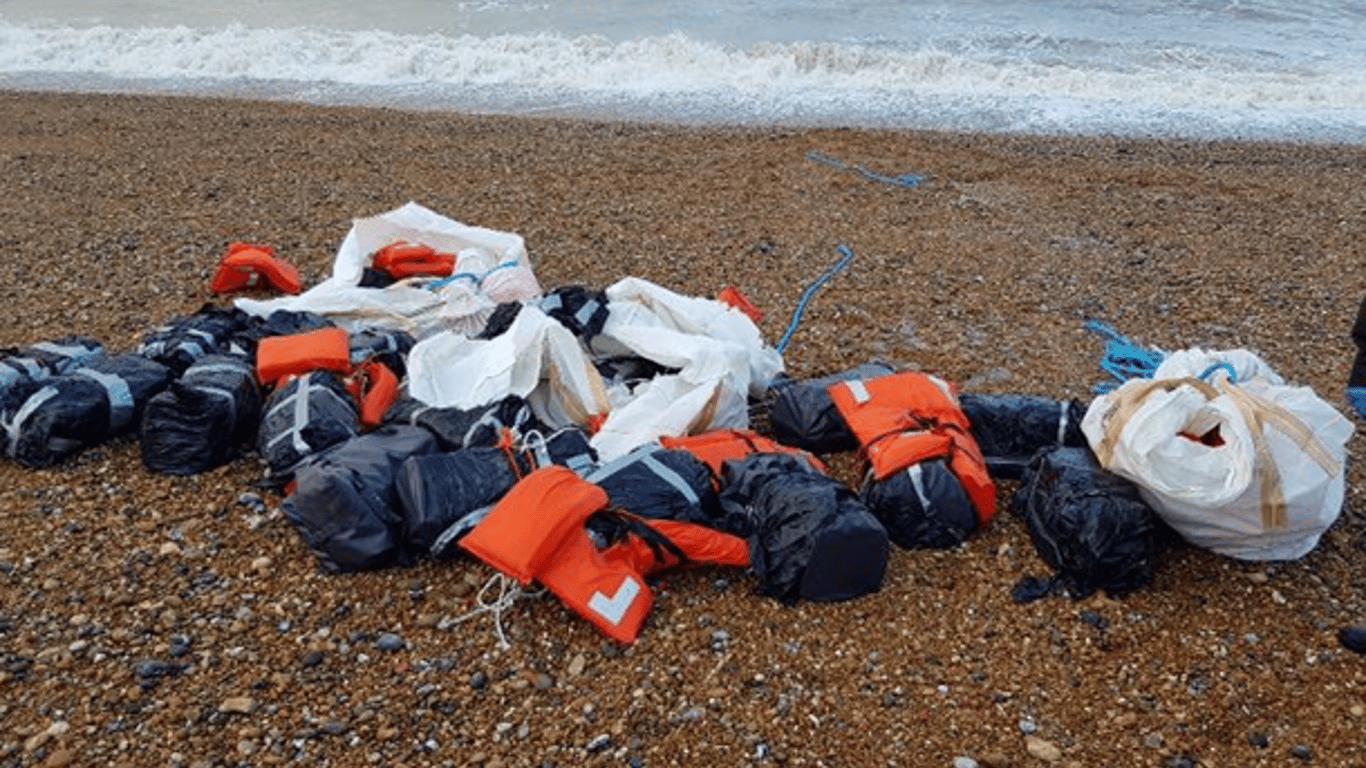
pixel 1043 750
pixel 389 641
pixel 1302 752
pixel 964 762
pixel 237 705
pixel 1353 638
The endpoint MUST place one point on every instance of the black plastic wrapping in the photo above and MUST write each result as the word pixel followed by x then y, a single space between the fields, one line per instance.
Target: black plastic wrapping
pixel 457 428
pixel 89 404
pixel 345 506
pixel 500 320
pixel 582 311
pixel 306 415
pixel 444 495
pixel 802 414
pixel 1357 376
pixel 200 421
pixel 209 331
pixel 809 536
pixel 1011 428
pixel 657 482
pixel 390 347
pixel 22 370
pixel 1090 524
pixel 922 507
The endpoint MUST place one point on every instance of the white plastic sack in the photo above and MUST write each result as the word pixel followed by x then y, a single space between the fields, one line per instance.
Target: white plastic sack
pixel 491 267
pixel 535 358
pixel 1266 488
pixel 719 353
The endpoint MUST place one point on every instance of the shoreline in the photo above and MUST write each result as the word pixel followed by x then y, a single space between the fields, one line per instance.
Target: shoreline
pixel 115 209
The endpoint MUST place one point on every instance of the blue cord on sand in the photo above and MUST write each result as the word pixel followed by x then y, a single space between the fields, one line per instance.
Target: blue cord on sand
pixel 1124 359
pixel 810 291
pixel 906 180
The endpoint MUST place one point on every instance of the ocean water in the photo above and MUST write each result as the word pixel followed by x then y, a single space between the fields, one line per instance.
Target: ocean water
pixel 1254 69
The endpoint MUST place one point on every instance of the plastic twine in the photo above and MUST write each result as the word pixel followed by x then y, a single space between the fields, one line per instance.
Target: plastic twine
pixel 1124 359
pixel 907 180
pixel 508 593
pixel 848 255
pixel 1232 374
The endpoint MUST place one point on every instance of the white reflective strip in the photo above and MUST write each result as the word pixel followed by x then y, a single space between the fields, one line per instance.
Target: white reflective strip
pixel 193 348
pixel 859 391
pixel 917 476
pixel 242 369
pixel 120 397
pixel 72 351
pixel 614 608
pixel 301 415
pixel 585 312
pixel 462 525
pixel 26 410
pixel 581 464
pixel 551 303
pixel 1062 422
pixel 671 477
pixel 619 463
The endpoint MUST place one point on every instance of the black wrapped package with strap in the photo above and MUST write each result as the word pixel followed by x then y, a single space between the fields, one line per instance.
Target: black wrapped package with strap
pixel 200 420
pixel 303 416
pixel 656 482
pixel 390 347
pixel 922 507
pixel 803 416
pixel 22 370
pixel 345 505
pixel 444 495
pixel 457 428
pixel 1011 428
pixel 101 399
pixel 1089 524
pixel 209 331
pixel 582 311
pixel 810 538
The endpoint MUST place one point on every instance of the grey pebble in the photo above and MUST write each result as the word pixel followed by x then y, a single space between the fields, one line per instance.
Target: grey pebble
pixel 1302 752
pixel 600 743
pixel 1028 726
pixel 389 641
pixel 1258 739
pixel 312 658
pixel 964 762
pixel 478 680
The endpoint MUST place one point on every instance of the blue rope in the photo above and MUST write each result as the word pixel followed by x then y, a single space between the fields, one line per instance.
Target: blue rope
pixel 1232 374
pixel 810 291
pixel 1124 359
pixel 907 180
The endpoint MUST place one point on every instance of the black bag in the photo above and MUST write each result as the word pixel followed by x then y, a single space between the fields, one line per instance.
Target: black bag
pixel 22 370
pixel 199 421
pixel 101 399
pixel 444 495
pixel 388 347
pixel 1090 524
pixel 209 331
pixel 582 311
pixel 802 414
pixel 922 506
pixel 458 428
pixel 809 535
pixel 1011 428
pixel 345 506
pixel 305 415
pixel 656 482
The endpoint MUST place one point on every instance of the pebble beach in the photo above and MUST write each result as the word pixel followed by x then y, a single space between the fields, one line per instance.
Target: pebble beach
pixel 149 620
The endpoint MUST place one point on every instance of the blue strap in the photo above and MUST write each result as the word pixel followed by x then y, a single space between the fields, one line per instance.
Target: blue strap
pixel 810 291
pixel 907 180
pixel 1124 359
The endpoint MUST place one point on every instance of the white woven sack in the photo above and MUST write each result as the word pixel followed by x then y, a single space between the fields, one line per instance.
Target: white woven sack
pixel 1268 489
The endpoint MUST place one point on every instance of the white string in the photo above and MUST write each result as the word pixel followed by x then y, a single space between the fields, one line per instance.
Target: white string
pixel 508 593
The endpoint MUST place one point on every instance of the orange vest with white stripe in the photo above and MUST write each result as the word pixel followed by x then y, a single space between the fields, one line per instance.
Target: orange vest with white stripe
pixel 904 418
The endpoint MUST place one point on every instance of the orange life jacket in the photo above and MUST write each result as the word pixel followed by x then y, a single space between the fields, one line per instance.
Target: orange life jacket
pixel 904 418
pixel 536 533
pixel 250 265
pixel 732 296
pixel 721 445
pixel 322 348
pixel 375 387
pixel 402 260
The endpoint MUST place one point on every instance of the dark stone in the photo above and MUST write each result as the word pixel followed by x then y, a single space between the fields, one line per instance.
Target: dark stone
pixel 1353 638
pixel 1302 752
pixel 478 680
pixel 1258 739
pixel 312 659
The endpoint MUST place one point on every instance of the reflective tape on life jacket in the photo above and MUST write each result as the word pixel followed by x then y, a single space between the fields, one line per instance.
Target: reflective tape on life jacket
pixel 400 260
pixel 525 528
pixel 250 265
pixel 721 445
pixel 298 353
pixel 904 418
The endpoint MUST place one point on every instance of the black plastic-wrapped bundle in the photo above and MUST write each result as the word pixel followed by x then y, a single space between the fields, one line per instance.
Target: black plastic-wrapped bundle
pixel 1011 428
pixel 922 507
pixel 809 535
pixel 1090 524
pixel 22 369
pixel 98 400
pixel 199 421
pixel 457 428
pixel 500 320
pixel 444 495
pixel 304 416
pixel 802 414
pixel 209 331
pixel 345 505
pixel 582 311
pixel 657 482
pixel 390 347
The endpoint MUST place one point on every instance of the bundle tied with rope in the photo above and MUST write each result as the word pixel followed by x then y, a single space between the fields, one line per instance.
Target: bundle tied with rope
pixel 1226 453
